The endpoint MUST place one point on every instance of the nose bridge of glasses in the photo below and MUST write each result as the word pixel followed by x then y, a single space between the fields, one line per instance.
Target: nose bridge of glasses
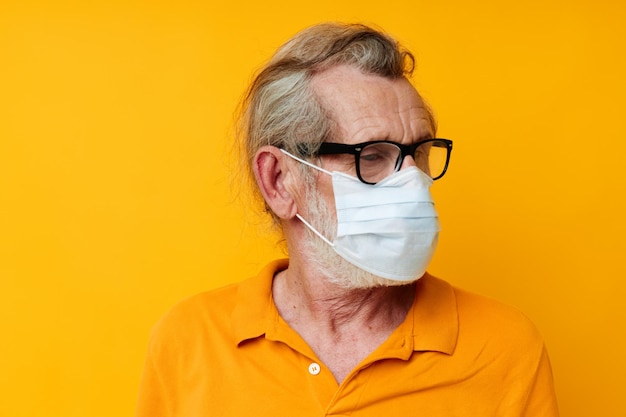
pixel 407 153
pixel 406 162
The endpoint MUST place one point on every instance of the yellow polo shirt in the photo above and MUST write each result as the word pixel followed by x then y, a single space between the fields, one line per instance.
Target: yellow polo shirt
pixel 227 352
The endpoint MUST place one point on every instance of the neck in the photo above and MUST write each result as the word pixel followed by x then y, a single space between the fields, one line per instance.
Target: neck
pixel 307 300
pixel 301 295
pixel 342 326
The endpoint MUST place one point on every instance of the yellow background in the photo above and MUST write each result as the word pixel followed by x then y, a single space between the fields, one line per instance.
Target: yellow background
pixel 116 198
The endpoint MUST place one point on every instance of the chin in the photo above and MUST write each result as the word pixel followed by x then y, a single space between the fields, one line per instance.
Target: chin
pixel 339 272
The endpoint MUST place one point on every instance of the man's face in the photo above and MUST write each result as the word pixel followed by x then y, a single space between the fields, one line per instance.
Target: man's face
pixel 362 108
pixel 365 107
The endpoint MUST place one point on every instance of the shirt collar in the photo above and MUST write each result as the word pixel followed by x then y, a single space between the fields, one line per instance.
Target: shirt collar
pixel 254 311
pixel 431 325
pixel 435 316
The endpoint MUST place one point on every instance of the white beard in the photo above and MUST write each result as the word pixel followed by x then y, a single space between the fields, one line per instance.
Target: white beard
pixel 331 265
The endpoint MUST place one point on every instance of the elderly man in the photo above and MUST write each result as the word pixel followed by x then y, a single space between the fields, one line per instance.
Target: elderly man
pixel 343 151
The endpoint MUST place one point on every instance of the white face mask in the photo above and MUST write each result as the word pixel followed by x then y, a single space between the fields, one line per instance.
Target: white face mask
pixel 389 229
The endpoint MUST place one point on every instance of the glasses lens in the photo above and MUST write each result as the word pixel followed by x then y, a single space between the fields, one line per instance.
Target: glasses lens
pixel 377 161
pixel 433 158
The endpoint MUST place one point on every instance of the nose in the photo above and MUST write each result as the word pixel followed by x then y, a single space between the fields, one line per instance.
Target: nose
pixel 408 161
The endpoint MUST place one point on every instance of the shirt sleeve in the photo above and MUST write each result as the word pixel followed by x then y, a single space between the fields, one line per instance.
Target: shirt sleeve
pixel 153 396
pixel 541 395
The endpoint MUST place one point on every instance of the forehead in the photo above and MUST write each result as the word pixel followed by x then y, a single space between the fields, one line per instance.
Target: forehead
pixel 367 107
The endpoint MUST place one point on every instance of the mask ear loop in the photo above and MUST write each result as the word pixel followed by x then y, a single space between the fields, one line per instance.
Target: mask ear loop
pixel 307 224
pixel 307 163
pixel 311 228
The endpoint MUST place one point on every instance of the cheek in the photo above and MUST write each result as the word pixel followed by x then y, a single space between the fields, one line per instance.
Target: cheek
pixel 322 190
pixel 343 163
pixel 325 190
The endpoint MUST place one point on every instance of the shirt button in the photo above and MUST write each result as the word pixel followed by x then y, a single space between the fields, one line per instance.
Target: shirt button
pixel 314 368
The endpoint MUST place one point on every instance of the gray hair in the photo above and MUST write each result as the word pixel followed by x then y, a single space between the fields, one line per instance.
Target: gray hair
pixel 280 108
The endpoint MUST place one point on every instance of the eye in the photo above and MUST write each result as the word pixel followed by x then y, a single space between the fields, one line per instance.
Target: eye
pixel 371 156
pixel 379 153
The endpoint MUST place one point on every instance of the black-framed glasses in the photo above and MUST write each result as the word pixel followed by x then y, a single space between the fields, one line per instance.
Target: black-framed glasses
pixel 376 160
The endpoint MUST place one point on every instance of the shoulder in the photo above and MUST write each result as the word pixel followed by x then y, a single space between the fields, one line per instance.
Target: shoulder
pixel 194 317
pixel 217 315
pixel 473 320
pixel 479 313
pixel 496 333
pixel 499 351
pixel 203 305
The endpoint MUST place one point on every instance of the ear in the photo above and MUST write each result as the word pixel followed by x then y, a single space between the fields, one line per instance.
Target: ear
pixel 273 178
